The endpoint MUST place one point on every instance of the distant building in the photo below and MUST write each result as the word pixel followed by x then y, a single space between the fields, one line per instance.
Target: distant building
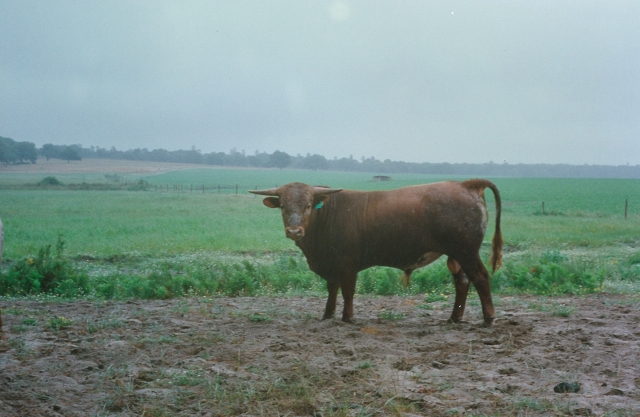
pixel 381 178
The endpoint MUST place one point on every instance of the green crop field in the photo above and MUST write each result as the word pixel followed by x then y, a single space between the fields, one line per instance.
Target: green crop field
pixel 168 223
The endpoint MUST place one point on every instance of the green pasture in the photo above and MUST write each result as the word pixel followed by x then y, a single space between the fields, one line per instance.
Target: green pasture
pixel 182 231
pixel 578 212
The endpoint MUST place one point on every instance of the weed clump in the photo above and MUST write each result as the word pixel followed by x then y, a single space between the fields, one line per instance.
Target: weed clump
pixel 45 273
pixel 551 274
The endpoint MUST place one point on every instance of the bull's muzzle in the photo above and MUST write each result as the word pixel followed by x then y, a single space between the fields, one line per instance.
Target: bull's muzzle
pixel 295 233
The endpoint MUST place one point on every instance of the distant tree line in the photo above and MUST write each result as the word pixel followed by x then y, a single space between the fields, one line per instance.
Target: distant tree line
pixel 12 152
pixel 279 159
pixel 64 152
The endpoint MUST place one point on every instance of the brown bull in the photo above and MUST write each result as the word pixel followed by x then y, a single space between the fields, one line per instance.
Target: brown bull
pixel 1 242
pixel 344 232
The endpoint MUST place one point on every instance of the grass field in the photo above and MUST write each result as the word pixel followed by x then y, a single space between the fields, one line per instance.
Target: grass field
pixel 583 219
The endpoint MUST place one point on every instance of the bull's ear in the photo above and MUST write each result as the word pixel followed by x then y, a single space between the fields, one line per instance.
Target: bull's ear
pixel 319 200
pixel 271 202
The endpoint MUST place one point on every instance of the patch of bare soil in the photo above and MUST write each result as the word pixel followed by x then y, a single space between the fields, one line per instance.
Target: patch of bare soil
pixel 97 165
pixel 273 356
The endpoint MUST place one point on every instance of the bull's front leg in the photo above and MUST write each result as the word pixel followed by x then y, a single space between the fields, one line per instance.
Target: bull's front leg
pixel 348 290
pixel 330 309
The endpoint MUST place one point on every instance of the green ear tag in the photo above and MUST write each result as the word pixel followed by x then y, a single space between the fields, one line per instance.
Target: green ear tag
pixel 319 204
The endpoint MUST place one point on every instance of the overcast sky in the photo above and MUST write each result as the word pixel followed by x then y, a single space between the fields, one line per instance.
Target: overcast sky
pixel 423 81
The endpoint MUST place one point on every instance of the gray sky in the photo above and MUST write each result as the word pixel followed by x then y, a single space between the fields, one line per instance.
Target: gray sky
pixel 418 81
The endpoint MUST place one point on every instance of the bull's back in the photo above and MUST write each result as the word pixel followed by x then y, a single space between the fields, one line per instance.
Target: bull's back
pixel 403 225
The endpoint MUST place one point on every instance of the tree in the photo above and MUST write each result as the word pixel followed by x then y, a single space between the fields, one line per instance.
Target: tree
pixel 49 150
pixel 7 150
pixel 4 152
pixel 215 158
pixel 315 162
pixel 26 151
pixel 279 159
pixel 70 153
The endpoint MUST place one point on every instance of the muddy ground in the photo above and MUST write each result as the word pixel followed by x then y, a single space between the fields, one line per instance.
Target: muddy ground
pixel 273 356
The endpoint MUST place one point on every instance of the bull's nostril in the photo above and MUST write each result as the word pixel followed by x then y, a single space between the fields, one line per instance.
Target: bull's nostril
pixel 295 232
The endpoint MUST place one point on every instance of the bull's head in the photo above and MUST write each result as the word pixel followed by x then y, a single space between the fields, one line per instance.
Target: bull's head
pixel 297 202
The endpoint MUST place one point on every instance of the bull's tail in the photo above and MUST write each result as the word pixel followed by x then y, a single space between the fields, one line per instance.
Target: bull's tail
pixel 496 244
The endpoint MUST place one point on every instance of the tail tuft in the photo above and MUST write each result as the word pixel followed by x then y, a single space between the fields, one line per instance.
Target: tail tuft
pixel 405 278
pixel 496 252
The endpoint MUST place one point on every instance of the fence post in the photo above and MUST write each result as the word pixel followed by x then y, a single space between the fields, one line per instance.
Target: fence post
pixel 626 204
pixel 543 208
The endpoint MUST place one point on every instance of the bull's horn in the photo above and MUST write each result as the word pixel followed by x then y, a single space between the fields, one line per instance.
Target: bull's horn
pixel 270 191
pixel 325 190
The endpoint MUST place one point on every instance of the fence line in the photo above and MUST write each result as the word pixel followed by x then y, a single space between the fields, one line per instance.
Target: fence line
pixel 236 189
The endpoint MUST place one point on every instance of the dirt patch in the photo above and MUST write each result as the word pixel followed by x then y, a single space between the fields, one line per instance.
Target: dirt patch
pixel 273 356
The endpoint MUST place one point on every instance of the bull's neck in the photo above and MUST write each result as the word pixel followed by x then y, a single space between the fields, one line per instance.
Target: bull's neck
pixel 334 224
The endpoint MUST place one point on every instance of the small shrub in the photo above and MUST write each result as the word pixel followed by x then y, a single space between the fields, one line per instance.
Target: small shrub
pixel 20 346
pixel 44 273
pixel 435 297
pixel 29 321
pixel 391 315
pixel 140 185
pixel 58 323
pixel 379 281
pixel 260 318
pixel 553 256
pixel 563 311
pixel 49 181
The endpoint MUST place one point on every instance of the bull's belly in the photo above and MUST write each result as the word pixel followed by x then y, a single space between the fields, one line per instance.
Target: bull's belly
pixel 424 260
pixel 408 263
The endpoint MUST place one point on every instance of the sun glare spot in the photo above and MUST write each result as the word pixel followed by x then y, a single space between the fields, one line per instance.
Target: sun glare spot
pixel 339 11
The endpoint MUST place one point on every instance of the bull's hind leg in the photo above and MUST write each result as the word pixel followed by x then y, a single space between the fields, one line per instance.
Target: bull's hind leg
pixel 479 277
pixel 462 289
pixel 330 309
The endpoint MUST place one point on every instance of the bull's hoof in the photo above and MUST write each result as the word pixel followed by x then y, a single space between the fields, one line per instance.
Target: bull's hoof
pixel 347 320
pixel 454 320
pixel 488 322
pixel 327 316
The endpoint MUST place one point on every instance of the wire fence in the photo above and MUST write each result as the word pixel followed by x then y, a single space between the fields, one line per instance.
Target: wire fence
pixel 237 189
pixel 202 188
